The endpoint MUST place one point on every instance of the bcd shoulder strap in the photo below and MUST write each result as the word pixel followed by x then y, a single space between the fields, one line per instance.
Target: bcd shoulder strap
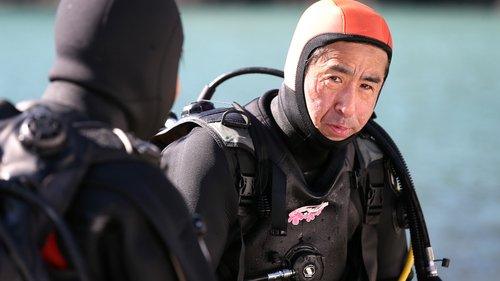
pixel 229 127
pixel 238 133
pixel 370 178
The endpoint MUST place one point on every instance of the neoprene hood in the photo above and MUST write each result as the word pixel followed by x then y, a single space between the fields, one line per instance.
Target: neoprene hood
pixel 323 23
pixel 117 61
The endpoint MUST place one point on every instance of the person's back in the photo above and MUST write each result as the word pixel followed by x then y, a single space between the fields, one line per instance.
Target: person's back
pixel 128 220
pixel 115 71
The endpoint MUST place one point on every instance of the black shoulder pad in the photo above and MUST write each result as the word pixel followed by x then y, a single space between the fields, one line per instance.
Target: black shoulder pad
pixel 229 127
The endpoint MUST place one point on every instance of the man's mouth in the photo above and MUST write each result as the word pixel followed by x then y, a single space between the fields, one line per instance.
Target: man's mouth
pixel 340 131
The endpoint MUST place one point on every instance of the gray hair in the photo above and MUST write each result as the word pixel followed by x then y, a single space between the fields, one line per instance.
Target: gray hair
pixel 320 51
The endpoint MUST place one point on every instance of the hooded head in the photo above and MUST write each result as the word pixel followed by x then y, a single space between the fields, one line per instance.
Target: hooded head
pixel 324 23
pixel 117 61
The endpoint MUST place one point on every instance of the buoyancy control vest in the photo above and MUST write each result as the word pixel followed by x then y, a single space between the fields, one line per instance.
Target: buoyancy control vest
pixel 292 230
pixel 46 152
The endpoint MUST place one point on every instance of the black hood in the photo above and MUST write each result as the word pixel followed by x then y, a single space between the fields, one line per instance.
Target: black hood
pixel 310 148
pixel 117 61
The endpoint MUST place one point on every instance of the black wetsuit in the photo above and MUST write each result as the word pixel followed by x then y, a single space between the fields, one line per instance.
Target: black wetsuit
pixel 204 173
pixel 116 63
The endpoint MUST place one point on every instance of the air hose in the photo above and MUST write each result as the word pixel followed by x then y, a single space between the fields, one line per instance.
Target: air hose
pixel 209 90
pixel 76 258
pixel 421 246
pixel 422 250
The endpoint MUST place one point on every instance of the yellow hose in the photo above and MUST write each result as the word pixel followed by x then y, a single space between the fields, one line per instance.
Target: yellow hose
pixel 408 265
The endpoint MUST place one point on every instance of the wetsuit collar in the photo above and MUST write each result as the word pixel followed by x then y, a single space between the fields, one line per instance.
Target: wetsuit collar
pixel 310 150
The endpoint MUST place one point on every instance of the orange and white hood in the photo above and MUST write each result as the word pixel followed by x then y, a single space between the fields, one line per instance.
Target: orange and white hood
pixel 323 23
pixel 327 21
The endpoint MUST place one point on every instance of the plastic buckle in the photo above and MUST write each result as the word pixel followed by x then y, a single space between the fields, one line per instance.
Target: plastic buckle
pixel 244 122
pixel 374 203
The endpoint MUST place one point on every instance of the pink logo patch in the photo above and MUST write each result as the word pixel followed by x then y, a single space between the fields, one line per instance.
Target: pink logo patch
pixel 307 213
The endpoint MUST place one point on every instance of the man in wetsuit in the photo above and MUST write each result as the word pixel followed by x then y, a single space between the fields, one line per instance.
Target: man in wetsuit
pixel 326 208
pixel 115 71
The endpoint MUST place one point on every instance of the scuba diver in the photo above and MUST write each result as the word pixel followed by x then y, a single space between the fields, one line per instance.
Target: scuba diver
pixel 292 186
pixel 83 199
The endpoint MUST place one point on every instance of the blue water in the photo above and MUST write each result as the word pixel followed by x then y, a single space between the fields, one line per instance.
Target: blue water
pixel 441 102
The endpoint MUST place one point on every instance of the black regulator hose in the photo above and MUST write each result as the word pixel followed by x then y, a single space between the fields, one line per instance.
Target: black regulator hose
pixel 17 191
pixel 422 250
pixel 424 257
pixel 15 253
pixel 209 89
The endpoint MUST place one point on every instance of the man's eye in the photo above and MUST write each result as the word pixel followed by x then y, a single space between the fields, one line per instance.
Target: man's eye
pixel 366 87
pixel 335 79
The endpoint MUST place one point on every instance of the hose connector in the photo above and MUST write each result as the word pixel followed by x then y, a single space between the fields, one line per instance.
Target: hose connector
pixel 431 266
pixel 281 274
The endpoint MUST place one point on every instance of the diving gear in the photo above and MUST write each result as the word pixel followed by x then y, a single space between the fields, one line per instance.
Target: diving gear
pixel 399 219
pixel 42 133
pixel 283 274
pixel 306 261
pixel 424 257
pixel 232 135
pixel 56 181
pixel 203 102
pixel 209 90
pixel 115 71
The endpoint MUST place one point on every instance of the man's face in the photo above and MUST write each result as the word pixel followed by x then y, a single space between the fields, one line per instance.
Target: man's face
pixel 341 87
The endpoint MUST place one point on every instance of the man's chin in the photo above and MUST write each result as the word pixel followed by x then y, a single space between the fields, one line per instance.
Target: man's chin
pixel 337 139
pixel 331 135
pixel 334 137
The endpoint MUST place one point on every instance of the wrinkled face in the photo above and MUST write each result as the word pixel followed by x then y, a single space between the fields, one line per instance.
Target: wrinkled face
pixel 341 87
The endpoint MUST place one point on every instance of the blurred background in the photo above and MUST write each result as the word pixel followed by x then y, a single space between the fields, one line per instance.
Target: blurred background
pixel 441 102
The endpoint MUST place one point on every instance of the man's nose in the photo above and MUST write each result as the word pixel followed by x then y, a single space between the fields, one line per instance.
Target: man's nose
pixel 345 103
